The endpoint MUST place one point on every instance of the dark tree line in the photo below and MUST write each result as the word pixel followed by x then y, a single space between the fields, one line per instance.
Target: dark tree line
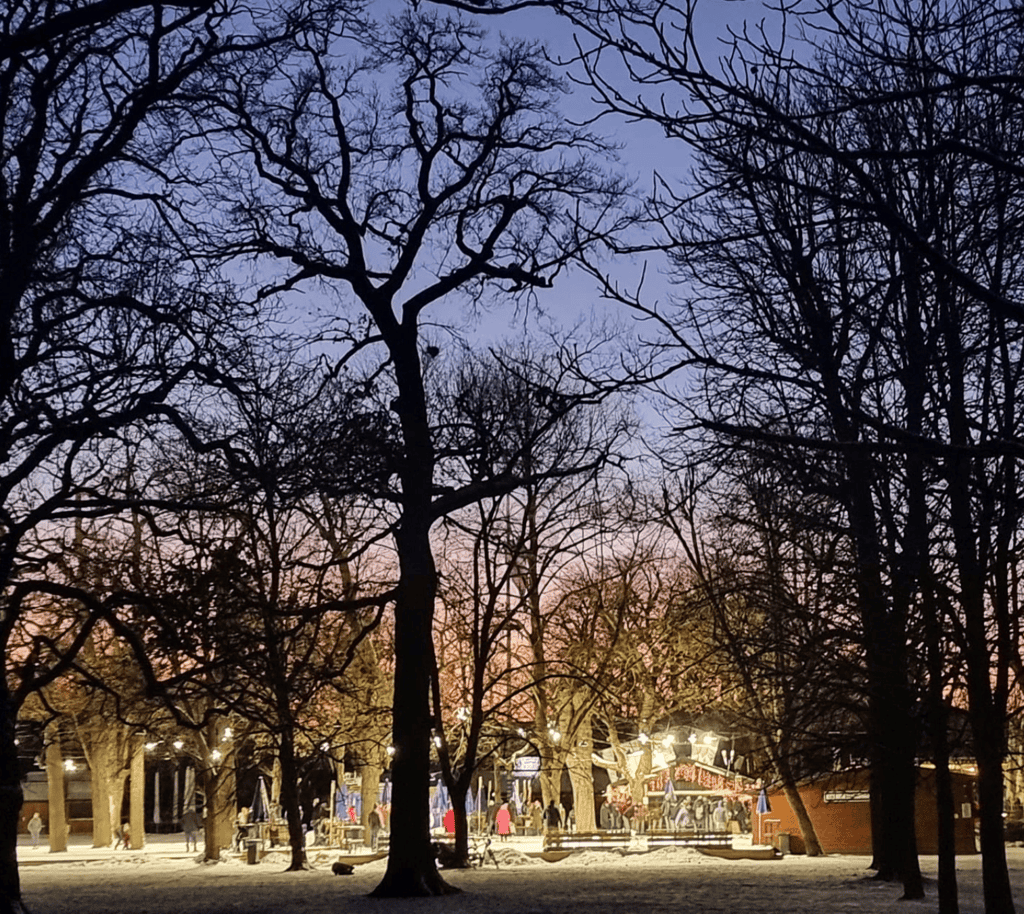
pixel 847 247
pixel 394 168
pixel 496 415
pixel 102 322
pixel 378 171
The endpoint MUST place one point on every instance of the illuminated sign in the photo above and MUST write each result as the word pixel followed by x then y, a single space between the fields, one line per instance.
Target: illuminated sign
pixel 709 780
pixel 526 766
pixel 847 796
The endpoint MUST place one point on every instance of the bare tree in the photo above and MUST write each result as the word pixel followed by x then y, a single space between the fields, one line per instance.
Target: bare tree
pixel 864 192
pixel 99 324
pixel 773 581
pixel 260 615
pixel 493 413
pixel 629 634
pixel 417 170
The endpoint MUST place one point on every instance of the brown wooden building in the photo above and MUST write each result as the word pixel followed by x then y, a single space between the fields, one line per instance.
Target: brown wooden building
pixel 839 809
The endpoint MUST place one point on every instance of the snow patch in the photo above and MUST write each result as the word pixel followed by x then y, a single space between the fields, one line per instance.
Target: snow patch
pixel 666 856
pixel 509 856
pixel 591 858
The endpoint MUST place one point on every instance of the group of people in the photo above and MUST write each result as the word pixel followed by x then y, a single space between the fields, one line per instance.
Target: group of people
pixel 707 814
pixel 546 819
pixel 502 821
pixel 122 835
pixel 190 825
pixel 692 813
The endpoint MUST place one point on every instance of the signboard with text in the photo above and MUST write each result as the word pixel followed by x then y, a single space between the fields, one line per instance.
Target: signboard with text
pixel 526 766
pixel 847 796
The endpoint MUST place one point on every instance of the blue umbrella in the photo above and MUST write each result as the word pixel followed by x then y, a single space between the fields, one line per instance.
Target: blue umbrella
pixel 670 791
pixel 440 804
pixel 385 793
pixel 763 805
pixel 260 809
pixel 341 802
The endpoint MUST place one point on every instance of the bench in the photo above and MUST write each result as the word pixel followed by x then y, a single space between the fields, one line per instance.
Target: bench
pixel 689 839
pixel 479 853
pixel 601 841
pixel 624 841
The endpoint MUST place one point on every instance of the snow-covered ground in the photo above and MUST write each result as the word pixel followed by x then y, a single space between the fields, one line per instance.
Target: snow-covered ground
pixel 162 879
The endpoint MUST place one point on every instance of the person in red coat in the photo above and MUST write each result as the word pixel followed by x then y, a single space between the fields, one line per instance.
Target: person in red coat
pixel 449 822
pixel 503 820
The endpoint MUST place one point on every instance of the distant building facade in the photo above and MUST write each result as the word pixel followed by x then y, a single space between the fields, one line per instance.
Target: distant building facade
pixel 838 806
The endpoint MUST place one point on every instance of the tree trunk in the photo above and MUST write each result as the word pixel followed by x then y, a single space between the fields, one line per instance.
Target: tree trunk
pixel 904 781
pixel 938 717
pixel 137 797
pixel 290 802
pixel 219 823
pixel 275 782
pixel 986 674
pixel 116 800
pixel 58 823
pixel 10 806
pixel 988 739
pixel 552 762
pixel 411 869
pixel 369 790
pixel 458 793
pixel 581 775
pixel 891 732
pixel 893 784
pixel 812 846
pixel 100 776
pixel 949 902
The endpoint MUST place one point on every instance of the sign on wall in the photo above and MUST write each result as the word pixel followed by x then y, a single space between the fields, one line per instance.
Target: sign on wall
pixel 847 796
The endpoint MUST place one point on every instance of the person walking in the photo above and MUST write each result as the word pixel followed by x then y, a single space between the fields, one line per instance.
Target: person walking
pixel 190 826
pixel 552 818
pixel 537 817
pixel 719 816
pixel 503 820
pixel 376 824
pixel 35 827
pixel 241 829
